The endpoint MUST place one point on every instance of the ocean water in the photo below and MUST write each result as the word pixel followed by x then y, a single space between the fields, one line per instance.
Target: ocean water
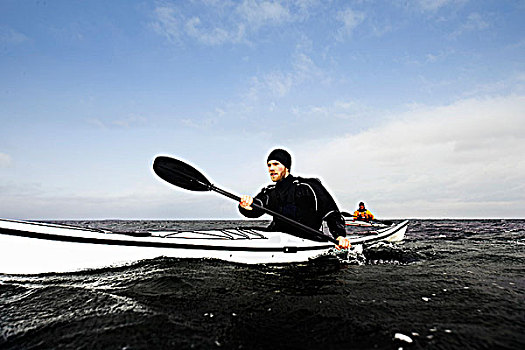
pixel 452 284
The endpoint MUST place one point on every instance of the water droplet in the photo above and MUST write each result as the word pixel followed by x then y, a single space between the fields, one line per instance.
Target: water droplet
pixel 403 337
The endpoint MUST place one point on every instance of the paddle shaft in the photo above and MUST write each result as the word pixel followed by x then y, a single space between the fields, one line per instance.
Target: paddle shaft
pixel 183 175
pixel 275 214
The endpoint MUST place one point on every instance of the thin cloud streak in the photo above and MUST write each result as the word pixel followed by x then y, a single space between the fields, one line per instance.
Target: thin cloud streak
pixel 11 36
pixel 436 5
pixel 224 21
pixel 350 20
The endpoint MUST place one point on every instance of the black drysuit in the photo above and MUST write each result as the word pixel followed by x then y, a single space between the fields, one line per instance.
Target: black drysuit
pixel 303 200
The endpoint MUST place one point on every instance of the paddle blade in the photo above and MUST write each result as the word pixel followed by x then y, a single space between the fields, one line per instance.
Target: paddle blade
pixel 180 174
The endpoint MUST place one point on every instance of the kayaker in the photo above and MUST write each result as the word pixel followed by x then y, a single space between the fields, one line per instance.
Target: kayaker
pixel 301 199
pixel 362 213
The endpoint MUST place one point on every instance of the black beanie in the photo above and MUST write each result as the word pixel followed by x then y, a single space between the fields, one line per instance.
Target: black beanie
pixel 281 156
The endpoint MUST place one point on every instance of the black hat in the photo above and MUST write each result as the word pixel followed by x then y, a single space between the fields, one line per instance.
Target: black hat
pixel 361 203
pixel 281 156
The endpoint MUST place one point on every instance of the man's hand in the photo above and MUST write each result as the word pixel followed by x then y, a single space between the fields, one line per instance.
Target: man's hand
pixel 343 243
pixel 246 202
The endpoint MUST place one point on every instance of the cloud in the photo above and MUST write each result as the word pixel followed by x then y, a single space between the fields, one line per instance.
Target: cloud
pixel 5 160
pixel 218 22
pixel 434 161
pixel 121 123
pixel 140 201
pixel 350 19
pixel 340 109
pixel 213 35
pixel 221 22
pixel 10 36
pixel 168 22
pixel 517 45
pixel 172 22
pixel 474 22
pixel 207 123
pixel 259 13
pixel 514 83
pixel 279 83
pixel 435 5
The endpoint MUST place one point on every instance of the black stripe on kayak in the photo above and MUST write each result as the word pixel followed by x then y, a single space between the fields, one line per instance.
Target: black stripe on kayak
pixel 50 224
pixel 130 243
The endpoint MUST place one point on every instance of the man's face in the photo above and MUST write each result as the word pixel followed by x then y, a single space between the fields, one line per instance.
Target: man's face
pixel 361 207
pixel 277 170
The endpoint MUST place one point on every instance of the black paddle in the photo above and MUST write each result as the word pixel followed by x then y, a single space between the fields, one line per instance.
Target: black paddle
pixel 183 175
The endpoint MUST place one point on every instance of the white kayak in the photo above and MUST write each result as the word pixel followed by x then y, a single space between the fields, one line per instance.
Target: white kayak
pixel 32 247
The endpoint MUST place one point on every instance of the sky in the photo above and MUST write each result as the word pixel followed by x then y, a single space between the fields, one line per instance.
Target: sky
pixel 416 107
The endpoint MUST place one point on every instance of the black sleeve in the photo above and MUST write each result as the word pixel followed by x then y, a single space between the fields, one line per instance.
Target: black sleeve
pixel 261 199
pixel 328 210
pixel 336 224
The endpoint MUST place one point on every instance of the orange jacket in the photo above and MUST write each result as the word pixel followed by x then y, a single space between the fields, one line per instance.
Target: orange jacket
pixel 363 215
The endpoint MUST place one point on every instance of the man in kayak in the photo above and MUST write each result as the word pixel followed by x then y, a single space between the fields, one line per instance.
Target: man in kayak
pixel 363 214
pixel 303 200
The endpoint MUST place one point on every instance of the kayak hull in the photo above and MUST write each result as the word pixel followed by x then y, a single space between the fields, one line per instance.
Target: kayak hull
pixel 29 247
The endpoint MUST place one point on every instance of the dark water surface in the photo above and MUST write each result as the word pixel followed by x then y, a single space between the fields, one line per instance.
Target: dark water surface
pixel 452 284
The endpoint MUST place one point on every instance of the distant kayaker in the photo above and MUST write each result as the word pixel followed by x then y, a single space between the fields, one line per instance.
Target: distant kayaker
pixel 363 214
pixel 301 199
